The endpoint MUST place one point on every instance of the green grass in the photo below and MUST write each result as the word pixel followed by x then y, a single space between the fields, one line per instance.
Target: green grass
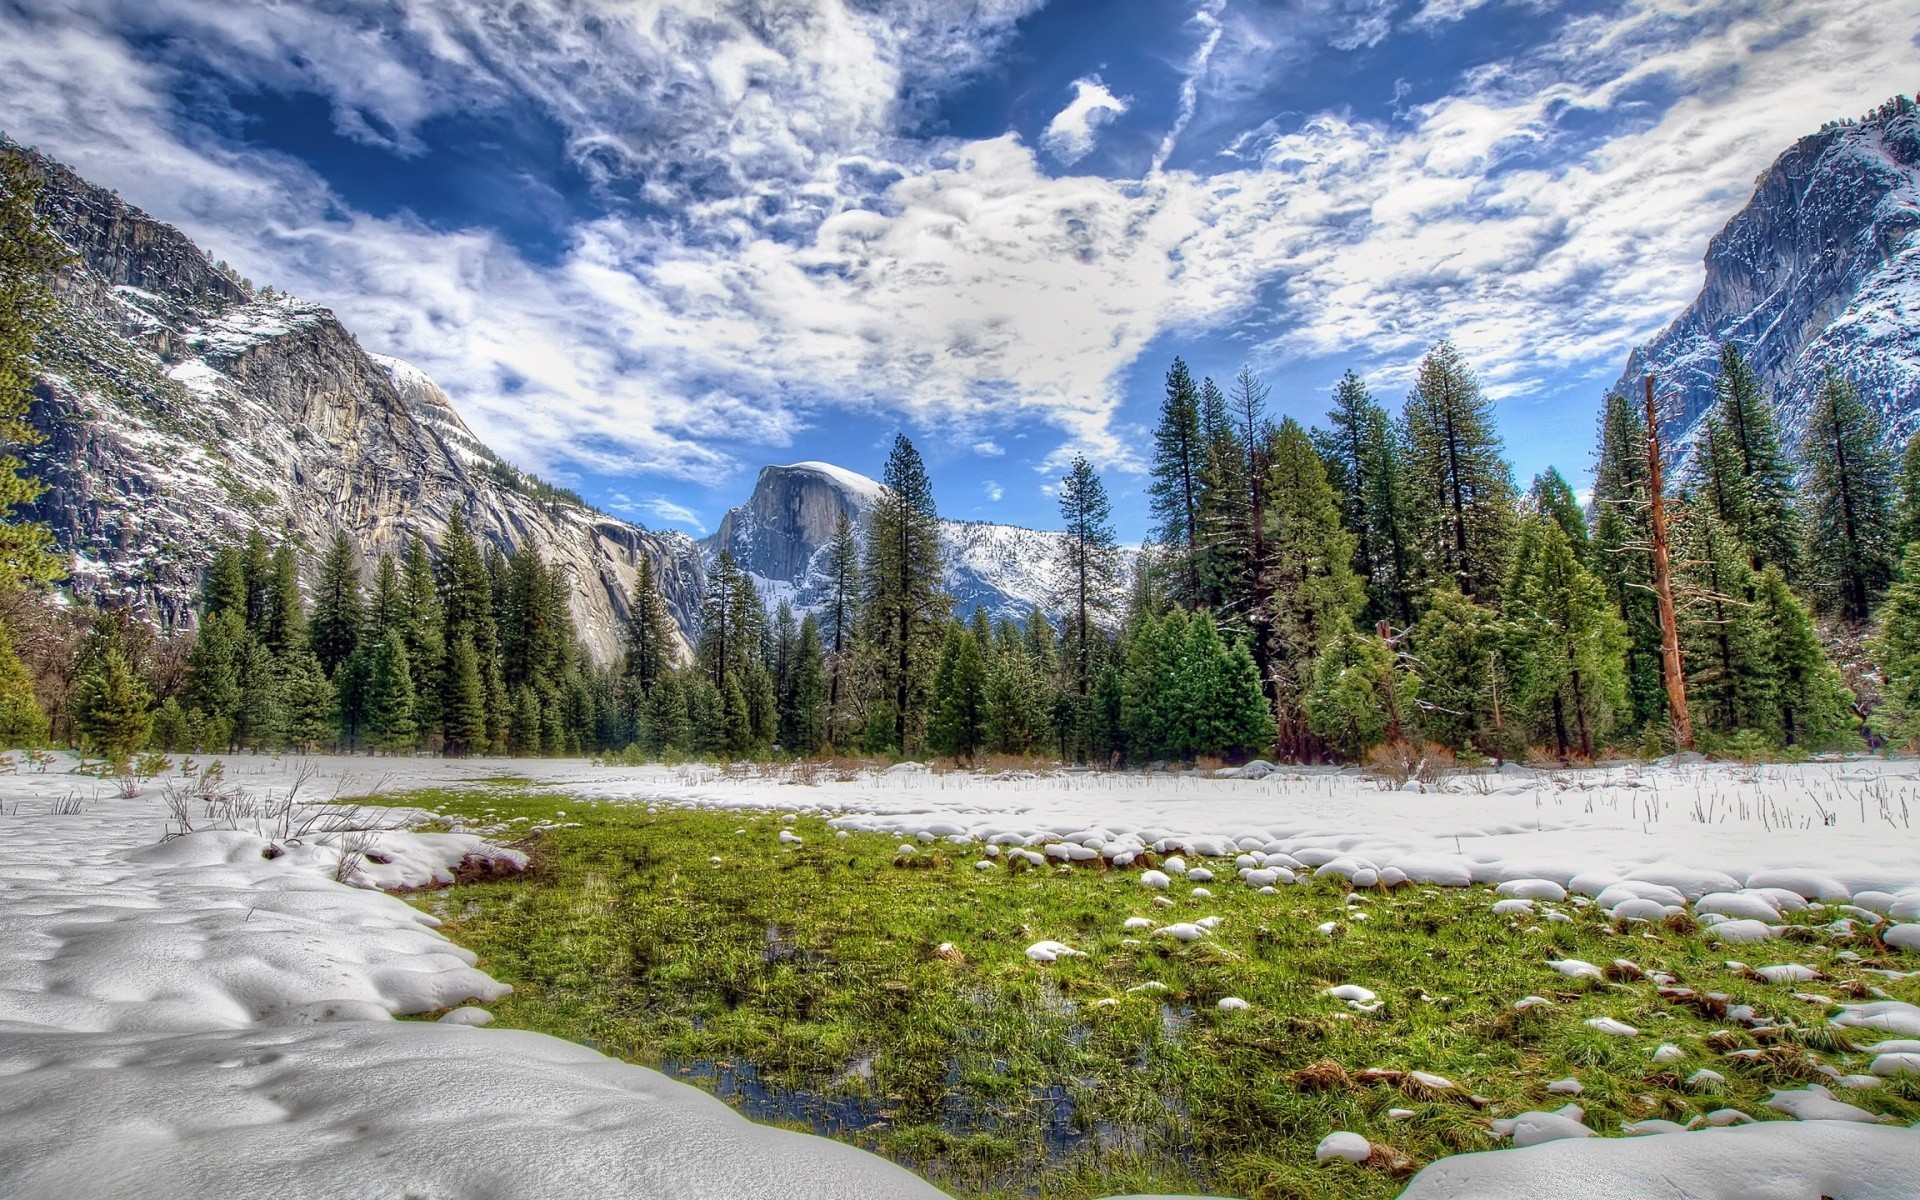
pixel 803 984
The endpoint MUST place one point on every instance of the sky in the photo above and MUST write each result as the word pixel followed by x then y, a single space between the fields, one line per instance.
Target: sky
pixel 650 246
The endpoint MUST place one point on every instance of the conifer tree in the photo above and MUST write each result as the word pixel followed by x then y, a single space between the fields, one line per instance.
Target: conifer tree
pixel 386 607
pixel 1896 654
pixel 1218 707
pixel 1567 647
pixel 650 637
pixel 1460 488
pixel 389 702
pixel 212 684
pixel 1727 685
pixel 467 610
pixel 1247 404
pixel 1016 710
pixel 805 708
pixel 225 586
pixel 31 255
pixel 112 708
pixel 1552 496
pixel 1849 502
pixel 958 722
pixel 1812 707
pixel 22 721
pixel 1224 538
pixel 350 683
pixel 1761 513
pixel 1362 455
pixel 1622 542
pixel 1313 591
pixel 309 702
pixel 337 607
pixel 256 569
pixel 1907 501
pixel 284 629
pixel 424 632
pixel 904 608
pixel 1086 573
pixel 667 723
pixel 261 720
pixel 524 722
pixel 1359 699
pixel 839 622
pixel 1465 681
pixel 464 714
pixel 1174 494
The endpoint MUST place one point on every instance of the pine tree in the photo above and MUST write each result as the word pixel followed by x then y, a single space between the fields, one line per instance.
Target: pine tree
pixel 310 702
pixel 464 714
pixel 904 608
pixel 22 721
pixel 262 719
pixel 1217 705
pixel 467 611
pixel 1359 700
pixel 112 708
pixel 1567 647
pixel 284 626
pixel 1362 455
pixel 424 632
pixel 667 723
pixel 212 683
pixel 1174 494
pixel 1086 573
pixel 1812 707
pixel 1248 406
pixel 1896 654
pixel 350 683
pixel 1727 684
pixel 386 607
pixel 1849 502
pixel 1465 682
pixel 225 587
pixel 337 610
pixel 1622 542
pixel 650 636
pixel 31 256
pixel 1224 539
pixel 523 721
pixel 840 621
pixel 1907 502
pixel 1461 489
pixel 256 569
pixel 1761 514
pixel 957 725
pixel 1314 593
pixel 390 723
pixel 1016 713
pixel 1553 497
pixel 806 705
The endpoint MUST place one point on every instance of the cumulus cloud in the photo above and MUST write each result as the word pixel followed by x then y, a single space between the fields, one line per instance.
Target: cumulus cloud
pixel 802 256
pixel 1071 134
pixel 994 491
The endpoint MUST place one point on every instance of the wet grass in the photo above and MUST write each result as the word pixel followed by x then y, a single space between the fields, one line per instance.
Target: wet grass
pixel 805 984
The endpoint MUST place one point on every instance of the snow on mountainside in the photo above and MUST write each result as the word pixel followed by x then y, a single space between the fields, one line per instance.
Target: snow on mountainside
pixel 1820 270
pixel 780 537
pixel 183 409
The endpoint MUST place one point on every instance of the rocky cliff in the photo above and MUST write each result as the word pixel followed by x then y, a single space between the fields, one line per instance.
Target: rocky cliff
pixel 781 533
pixel 1820 270
pixel 184 408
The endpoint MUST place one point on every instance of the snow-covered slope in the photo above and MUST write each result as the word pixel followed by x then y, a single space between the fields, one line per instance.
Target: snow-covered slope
pixel 184 408
pixel 780 536
pixel 1821 270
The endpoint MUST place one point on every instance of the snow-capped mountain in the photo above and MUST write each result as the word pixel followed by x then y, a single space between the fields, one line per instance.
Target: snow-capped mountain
pixel 780 537
pixel 1820 270
pixel 184 408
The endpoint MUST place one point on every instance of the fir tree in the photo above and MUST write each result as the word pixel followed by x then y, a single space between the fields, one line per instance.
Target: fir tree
pixel 112 708
pixel 667 723
pixel 309 702
pixel 1622 544
pixel 1896 654
pixel 1174 494
pixel 1761 513
pixel 464 714
pixel 31 255
pixel 806 705
pixel 957 725
pixel 650 634
pixel 1016 704
pixel 256 569
pixel 1359 700
pixel 390 723
pixel 425 640
pixel 1552 497
pixel 212 682
pixel 386 607
pixel 225 587
pixel 337 609
pixel 1907 501
pixel 1460 487
pixel 1567 646
pixel 1224 537
pixel 1811 706
pixel 467 610
pixel 1248 405
pixel 350 683
pixel 840 620
pixel 284 626
pixel 1086 573
pixel 1218 706
pixel 1727 685
pixel 1363 463
pixel 261 720
pixel 904 608
pixel 1849 502
pixel 523 721
pixel 1465 682
pixel 22 721
pixel 1314 593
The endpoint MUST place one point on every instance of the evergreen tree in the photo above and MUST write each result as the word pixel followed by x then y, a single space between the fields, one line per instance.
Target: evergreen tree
pixel 1362 454
pixel 1552 497
pixel 467 610
pixel 337 609
pixel 904 608
pixel 1760 513
pixel 390 694
pixel 668 726
pixel 1016 704
pixel 1465 682
pixel 309 700
pixel 1314 593
pixel 1896 654
pixel 840 620
pixel 1174 494
pixel 1224 538
pixel 1622 545
pixel 1812 706
pixel 1567 646
pixel 225 587
pixel 350 684
pixel 1720 639
pixel 112 708
pixel 256 569
pixel 262 719
pixel 386 608
pixel 1359 700
pixel 1086 573
pixel 958 723
pixel 426 644
pixel 1461 489
pixel 22 721
pixel 524 722
pixel 1218 707
pixel 650 635
pixel 464 714
pixel 284 626
pixel 31 255
pixel 806 703
pixel 1248 406
pixel 1907 502
pixel 1849 498
pixel 212 686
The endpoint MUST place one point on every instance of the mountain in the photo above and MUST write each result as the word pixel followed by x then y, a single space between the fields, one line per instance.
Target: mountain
pixel 1820 270
pixel 184 408
pixel 780 535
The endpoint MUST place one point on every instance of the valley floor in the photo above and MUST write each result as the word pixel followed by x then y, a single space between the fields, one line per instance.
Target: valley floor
pixel 207 1013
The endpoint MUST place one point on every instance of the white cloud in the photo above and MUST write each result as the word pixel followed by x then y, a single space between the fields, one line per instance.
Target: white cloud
pixel 994 491
pixel 658 507
pixel 988 448
pixel 1073 130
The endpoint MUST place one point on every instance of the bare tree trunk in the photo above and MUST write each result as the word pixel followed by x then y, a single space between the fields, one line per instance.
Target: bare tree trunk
pixel 1663 588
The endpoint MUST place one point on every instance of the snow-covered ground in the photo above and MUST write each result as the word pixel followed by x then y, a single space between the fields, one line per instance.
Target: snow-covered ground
pixel 211 1012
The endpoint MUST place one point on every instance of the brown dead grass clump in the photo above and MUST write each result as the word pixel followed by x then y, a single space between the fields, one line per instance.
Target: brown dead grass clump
pixel 1325 1075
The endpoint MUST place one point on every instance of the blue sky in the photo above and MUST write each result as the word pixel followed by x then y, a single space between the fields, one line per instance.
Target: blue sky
pixel 651 246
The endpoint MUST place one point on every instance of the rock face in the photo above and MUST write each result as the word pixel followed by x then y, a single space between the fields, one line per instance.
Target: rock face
pixel 781 533
pixel 183 409
pixel 1821 270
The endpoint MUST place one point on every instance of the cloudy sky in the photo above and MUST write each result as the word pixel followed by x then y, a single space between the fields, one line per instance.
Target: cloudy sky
pixel 651 245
